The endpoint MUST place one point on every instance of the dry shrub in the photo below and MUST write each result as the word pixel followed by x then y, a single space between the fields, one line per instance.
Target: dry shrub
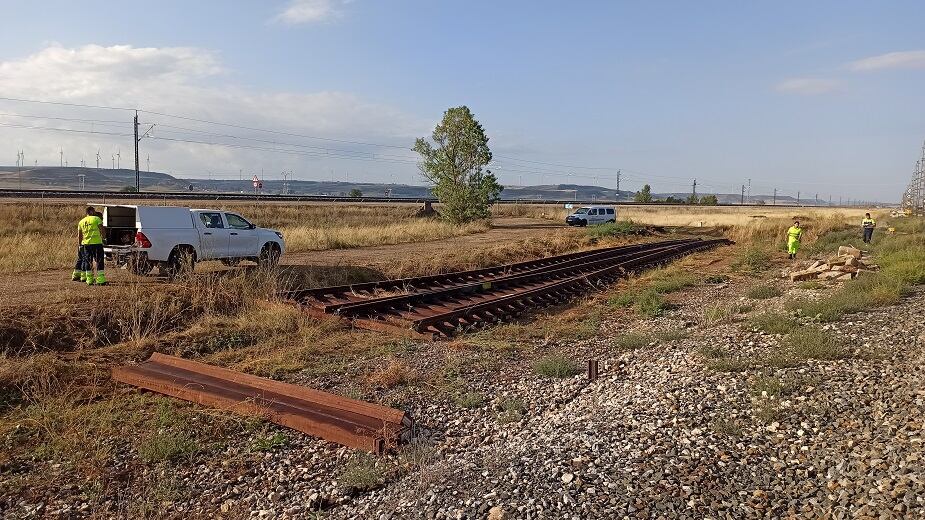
pixel 395 373
pixel 131 312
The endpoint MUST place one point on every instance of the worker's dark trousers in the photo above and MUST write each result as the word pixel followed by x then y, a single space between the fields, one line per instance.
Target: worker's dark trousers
pixel 868 234
pixel 79 263
pixel 92 253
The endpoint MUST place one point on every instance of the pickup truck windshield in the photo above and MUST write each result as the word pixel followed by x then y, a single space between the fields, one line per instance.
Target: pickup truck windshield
pixel 237 222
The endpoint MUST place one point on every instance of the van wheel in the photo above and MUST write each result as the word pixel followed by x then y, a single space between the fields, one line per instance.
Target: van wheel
pixel 269 255
pixel 611 221
pixel 182 261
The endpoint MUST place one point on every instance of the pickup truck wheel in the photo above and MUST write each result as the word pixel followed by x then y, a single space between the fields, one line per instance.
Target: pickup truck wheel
pixel 182 261
pixel 269 255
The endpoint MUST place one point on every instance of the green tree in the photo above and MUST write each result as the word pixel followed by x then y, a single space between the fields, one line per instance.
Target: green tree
pixel 455 165
pixel 692 199
pixel 355 192
pixel 709 200
pixel 127 189
pixel 644 195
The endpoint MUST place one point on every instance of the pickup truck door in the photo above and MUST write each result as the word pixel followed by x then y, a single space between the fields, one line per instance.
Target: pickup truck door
pixel 214 235
pixel 243 235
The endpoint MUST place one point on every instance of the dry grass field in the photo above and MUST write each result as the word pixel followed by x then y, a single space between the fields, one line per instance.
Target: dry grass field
pixel 35 236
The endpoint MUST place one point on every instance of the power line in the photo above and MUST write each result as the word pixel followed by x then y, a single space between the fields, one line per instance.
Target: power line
pixel 74 130
pixel 63 104
pixel 291 134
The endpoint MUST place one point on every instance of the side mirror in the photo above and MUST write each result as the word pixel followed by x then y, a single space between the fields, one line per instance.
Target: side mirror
pixel 252 226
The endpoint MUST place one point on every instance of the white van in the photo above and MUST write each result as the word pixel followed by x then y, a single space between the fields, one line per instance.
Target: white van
pixel 175 238
pixel 590 215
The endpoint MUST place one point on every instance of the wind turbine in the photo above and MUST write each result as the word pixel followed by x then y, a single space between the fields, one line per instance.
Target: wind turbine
pixel 97 158
pixel 113 162
pixel 119 159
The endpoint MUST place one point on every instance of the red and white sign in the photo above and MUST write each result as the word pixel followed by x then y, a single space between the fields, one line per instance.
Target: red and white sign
pixel 256 181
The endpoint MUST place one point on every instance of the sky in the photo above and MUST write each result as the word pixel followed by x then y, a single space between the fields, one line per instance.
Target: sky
pixel 817 97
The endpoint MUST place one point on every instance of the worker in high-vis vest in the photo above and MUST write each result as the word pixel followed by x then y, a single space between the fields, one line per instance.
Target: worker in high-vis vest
pixel 868 225
pixel 90 233
pixel 794 235
pixel 78 274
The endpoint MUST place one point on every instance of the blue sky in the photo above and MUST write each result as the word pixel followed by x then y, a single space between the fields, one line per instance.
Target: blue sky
pixel 820 97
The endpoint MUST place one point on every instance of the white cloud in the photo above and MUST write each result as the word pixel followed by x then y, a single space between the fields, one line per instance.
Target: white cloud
pixel 807 86
pixel 890 60
pixel 189 82
pixel 311 11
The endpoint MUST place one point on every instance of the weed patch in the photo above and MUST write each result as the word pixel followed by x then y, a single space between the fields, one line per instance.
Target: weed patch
pixel 632 341
pixel 763 292
pixel 556 366
pixel 470 400
pixel 815 343
pixel 752 259
pixel 362 473
pixel 773 322
pixel 511 410
pixel 673 335
pixel 615 229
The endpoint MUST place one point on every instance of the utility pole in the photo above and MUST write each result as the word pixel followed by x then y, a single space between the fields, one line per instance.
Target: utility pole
pixel 61 157
pixel 749 191
pixel 137 174
pixel 798 198
pixel 839 200
pixel 619 172
pixel 774 203
pixel 694 190
pixel 830 199
pixel 149 162
pixel 742 199
pixel 97 158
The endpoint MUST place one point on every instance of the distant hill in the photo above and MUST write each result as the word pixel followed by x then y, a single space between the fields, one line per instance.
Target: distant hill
pixel 54 177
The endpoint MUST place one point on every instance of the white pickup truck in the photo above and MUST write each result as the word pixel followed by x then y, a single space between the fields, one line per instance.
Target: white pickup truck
pixel 176 238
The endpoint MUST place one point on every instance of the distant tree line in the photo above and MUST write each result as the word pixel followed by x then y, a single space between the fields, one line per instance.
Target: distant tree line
pixel 645 195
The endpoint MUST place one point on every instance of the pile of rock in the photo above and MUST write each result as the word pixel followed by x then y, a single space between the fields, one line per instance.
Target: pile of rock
pixel 847 264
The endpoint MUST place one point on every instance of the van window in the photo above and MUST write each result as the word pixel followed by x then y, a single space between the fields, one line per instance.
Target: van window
pixel 237 222
pixel 211 220
pixel 592 212
pixel 610 211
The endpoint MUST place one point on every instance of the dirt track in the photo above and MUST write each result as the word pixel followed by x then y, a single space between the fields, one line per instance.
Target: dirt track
pixel 54 285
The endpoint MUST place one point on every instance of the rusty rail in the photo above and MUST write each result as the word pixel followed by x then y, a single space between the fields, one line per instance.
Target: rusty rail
pixel 350 422
pixel 475 298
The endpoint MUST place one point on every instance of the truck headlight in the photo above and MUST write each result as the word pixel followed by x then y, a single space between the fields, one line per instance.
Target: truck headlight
pixel 280 235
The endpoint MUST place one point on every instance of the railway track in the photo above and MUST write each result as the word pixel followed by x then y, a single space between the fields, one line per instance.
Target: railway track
pixel 441 305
